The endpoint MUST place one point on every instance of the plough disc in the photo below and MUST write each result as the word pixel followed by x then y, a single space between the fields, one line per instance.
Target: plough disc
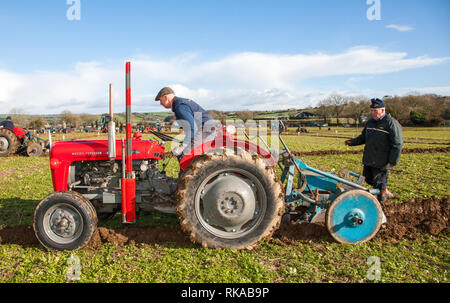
pixel 354 217
pixel 34 150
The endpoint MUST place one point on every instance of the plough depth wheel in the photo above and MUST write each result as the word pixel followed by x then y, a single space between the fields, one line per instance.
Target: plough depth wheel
pixel 354 217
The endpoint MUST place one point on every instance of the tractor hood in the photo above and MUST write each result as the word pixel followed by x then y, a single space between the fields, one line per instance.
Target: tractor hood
pixel 64 153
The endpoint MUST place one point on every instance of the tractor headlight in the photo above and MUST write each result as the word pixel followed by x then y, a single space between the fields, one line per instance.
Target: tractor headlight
pixel 55 163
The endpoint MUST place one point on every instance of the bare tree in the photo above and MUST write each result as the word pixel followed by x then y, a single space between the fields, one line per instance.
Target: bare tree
pixel 69 118
pixel 19 117
pixel 324 110
pixel 218 115
pixel 244 115
pixel 357 108
pixel 337 103
pixel 37 122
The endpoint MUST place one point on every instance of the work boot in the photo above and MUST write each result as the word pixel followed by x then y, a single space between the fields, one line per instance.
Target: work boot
pixel 385 195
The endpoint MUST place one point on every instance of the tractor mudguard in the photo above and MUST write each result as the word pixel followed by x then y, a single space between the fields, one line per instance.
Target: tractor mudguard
pixel 20 132
pixel 227 143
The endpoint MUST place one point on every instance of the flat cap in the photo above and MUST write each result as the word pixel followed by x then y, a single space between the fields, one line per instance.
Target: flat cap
pixel 164 91
pixel 377 103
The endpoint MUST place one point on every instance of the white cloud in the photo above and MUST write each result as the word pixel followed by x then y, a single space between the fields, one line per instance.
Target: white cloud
pixel 400 28
pixel 241 81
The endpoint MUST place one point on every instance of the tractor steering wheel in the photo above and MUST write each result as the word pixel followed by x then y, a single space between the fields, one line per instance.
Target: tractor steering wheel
pixel 164 137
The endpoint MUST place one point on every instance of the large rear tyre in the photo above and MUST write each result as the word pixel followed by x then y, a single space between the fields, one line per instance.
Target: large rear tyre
pixel 229 201
pixel 64 221
pixel 354 217
pixel 8 142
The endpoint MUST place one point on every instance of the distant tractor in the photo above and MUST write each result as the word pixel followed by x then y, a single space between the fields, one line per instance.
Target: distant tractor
pixel 104 120
pixel 21 141
pixel 301 129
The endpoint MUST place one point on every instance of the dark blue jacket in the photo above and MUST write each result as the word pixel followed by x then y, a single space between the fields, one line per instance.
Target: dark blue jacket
pixel 7 124
pixel 383 142
pixel 191 112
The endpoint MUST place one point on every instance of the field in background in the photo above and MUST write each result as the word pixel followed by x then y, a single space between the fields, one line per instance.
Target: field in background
pixel 167 256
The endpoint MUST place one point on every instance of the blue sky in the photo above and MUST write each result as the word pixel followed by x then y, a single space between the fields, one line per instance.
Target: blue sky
pixel 227 55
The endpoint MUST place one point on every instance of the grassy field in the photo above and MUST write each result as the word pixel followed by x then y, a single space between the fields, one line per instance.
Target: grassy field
pixel 25 181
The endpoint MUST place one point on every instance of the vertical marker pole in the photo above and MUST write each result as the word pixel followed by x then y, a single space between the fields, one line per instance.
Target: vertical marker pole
pixel 128 183
pixel 128 120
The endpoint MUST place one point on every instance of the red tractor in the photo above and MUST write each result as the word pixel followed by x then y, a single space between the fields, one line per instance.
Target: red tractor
pixel 222 199
pixel 20 140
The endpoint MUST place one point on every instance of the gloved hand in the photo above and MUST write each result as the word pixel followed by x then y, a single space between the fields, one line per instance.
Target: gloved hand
pixel 348 142
pixel 178 149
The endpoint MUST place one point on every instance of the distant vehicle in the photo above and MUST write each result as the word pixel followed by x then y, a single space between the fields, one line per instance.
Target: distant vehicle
pixel 323 125
pixel 345 125
pixel 312 124
pixel 104 120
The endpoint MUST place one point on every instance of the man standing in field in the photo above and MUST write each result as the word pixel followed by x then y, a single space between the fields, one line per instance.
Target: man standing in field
pixel 383 141
pixel 192 117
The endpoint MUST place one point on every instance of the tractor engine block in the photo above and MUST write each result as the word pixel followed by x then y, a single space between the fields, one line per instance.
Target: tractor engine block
pixel 99 181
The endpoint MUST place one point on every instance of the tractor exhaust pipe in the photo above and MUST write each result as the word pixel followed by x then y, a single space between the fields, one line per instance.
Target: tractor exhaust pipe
pixel 111 127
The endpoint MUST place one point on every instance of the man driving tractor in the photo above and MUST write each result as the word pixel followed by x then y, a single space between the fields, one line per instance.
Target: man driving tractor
pixel 196 122
pixel 7 123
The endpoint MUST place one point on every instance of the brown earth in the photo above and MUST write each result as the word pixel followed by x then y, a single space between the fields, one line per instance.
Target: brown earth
pixel 140 235
pixel 404 220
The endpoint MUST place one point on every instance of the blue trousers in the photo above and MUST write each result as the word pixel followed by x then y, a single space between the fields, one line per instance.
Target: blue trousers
pixel 376 177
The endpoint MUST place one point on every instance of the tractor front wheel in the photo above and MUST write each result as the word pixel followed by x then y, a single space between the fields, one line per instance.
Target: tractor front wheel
pixel 229 201
pixel 8 142
pixel 64 221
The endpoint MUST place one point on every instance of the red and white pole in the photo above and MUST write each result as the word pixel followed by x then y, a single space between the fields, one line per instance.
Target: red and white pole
pixel 128 120
pixel 128 183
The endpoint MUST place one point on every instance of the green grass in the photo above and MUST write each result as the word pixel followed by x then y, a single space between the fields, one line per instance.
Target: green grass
pixel 25 181
pixel 424 260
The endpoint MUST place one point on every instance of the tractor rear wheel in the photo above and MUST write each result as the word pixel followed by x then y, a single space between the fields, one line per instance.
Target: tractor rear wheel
pixel 64 221
pixel 8 142
pixel 34 150
pixel 229 201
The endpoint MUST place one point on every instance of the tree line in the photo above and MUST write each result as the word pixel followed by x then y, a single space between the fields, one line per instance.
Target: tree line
pixel 426 110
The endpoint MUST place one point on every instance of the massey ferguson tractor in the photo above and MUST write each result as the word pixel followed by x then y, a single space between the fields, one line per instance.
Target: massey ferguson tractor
pixel 227 195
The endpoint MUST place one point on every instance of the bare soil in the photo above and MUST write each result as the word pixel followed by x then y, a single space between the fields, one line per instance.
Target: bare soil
pixel 408 220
